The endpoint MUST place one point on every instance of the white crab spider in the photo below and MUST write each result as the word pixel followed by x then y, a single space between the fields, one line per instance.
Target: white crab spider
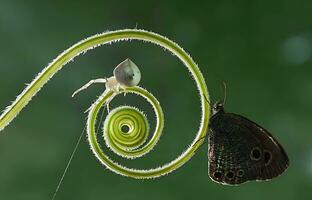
pixel 126 74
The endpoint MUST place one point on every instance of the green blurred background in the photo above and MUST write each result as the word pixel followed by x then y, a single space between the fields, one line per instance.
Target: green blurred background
pixel 262 49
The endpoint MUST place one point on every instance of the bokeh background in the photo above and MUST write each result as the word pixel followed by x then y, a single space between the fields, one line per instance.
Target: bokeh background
pixel 262 49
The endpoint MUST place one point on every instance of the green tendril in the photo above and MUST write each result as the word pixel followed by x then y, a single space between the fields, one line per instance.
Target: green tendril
pixel 125 128
pixel 128 144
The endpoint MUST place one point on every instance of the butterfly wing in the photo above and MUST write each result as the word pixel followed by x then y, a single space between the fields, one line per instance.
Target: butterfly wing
pixel 241 150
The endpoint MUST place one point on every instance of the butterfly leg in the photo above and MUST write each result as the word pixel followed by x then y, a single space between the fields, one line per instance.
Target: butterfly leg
pixel 99 80
pixel 200 139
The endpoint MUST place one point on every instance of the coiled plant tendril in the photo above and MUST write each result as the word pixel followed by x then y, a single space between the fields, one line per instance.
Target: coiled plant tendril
pixel 127 143
pixel 125 128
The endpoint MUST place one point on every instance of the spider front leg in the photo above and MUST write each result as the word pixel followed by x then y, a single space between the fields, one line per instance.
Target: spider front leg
pixel 99 80
pixel 110 84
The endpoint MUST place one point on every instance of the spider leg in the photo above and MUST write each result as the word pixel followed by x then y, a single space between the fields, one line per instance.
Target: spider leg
pixel 99 80
pixel 109 100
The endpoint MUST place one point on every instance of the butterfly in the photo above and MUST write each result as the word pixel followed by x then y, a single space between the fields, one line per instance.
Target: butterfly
pixel 241 150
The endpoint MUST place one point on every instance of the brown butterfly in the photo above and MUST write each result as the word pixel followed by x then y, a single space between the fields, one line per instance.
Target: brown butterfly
pixel 240 150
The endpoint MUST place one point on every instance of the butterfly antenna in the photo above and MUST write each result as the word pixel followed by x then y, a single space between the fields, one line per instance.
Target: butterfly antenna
pixel 224 92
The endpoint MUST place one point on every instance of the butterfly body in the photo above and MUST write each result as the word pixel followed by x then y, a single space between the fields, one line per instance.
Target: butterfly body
pixel 241 150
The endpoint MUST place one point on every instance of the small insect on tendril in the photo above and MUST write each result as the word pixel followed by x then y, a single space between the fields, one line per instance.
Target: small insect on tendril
pixel 126 74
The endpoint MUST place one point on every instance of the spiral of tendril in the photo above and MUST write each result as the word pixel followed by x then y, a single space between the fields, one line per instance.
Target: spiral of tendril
pixel 125 128
pixel 128 143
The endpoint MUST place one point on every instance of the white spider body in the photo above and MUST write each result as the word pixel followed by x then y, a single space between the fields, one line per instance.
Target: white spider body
pixel 113 84
pixel 126 74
